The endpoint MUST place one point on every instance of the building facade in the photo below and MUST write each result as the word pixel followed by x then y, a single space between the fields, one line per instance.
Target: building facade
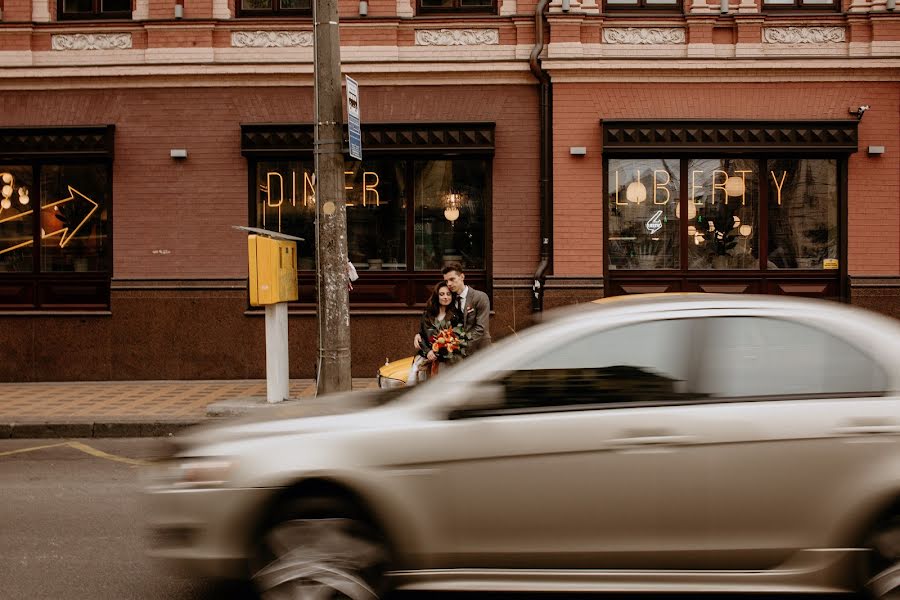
pixel 561 151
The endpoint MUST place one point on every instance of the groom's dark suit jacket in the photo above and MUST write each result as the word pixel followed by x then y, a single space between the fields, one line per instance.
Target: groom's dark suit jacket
pixel 477 313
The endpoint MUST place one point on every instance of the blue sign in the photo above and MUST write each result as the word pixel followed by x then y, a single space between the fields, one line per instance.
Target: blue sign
pixel 353 129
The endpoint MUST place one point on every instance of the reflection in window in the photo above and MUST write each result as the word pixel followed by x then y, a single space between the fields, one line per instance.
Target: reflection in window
pixel 747 357
pixel 74 218
pixel 723 206
pixel 286 202
pixel 803 214
pixel 449 213
pixel 95 9
pixel 260 8
pixel 16 219
pixel 376 214
pixel 643 362
pixel 455 6
pixel 449 209
pixel 643 197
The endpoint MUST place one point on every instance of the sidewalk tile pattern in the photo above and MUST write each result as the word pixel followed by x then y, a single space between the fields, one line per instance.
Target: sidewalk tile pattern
pixel 134 399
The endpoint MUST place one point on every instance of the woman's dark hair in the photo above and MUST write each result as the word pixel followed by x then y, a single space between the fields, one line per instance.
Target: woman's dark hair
pixel 433 306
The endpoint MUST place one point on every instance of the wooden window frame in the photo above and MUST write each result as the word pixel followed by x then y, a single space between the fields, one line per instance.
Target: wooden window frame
pixel 751 140
pixel 275 11
pixel 456 9
pixel 385 290
pixel 95 14
pixel 37 148
pixel 644 8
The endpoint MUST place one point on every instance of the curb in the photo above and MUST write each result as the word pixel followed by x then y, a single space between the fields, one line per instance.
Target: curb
pixel 94 429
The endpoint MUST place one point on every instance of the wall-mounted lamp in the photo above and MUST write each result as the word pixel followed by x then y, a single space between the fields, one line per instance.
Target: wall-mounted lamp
pixel 859 111
pixel 363 8
pixel 178 153
pixel 891 4
pixel 723 7
pixel 577 150
pixel 566 5
pixel 876 150
pixel 179 10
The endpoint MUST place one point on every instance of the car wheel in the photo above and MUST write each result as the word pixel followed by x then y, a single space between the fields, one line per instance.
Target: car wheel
pixel 320 548
pixel 882 564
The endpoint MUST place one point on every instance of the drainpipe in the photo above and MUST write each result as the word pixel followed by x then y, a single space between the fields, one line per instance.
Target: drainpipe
pixel 546 143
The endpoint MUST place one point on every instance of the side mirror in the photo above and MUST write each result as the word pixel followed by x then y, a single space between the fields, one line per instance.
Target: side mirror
pixel 480 398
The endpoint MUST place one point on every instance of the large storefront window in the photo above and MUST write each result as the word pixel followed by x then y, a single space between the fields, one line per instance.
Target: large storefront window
pixel 447 209
pixel 802 213
pixel 54 235
pixel 726 205
pixel 644 213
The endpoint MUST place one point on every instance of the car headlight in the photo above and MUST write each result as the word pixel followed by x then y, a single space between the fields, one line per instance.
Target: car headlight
pixel 186 473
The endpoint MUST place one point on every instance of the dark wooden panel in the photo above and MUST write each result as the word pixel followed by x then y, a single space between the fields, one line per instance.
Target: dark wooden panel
pixel 16 294
pixel 812 289
pixel 647 287
pixel 73 294
pixel 724 287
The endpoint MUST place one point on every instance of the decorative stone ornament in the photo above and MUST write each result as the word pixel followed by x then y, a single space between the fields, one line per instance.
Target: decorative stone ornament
pixel 271 39
pixel 91 41
pixel 457 37
pixel 643 35
pixel 804 35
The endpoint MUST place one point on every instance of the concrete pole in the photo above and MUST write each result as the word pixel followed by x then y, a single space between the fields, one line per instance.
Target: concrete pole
pixel 278 378
pixel 331 210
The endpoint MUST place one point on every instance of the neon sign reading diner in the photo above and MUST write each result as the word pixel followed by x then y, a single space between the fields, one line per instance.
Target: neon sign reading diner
pixel 275 181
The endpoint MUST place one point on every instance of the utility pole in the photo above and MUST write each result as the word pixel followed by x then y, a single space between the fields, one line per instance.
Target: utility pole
pixel 331 210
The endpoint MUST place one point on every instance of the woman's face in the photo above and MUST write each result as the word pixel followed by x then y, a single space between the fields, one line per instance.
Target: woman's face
pixel 444 296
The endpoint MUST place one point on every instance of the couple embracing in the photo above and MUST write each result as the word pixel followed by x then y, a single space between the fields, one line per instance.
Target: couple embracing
pixel 456 323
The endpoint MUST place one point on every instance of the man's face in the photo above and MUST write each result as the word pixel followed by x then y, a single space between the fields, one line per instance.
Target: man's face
pixel 455 281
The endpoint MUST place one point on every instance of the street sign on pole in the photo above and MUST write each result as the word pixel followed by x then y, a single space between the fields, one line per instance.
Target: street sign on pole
pixel 353 130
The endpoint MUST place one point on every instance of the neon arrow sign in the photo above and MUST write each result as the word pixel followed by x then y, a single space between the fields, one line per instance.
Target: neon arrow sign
pixel 63 231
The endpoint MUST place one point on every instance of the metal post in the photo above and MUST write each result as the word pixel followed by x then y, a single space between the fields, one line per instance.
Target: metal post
pixel 278 378
pixel 331 211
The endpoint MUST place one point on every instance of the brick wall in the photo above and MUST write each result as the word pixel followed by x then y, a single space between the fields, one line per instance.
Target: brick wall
pixel 172 219
pixel 874 182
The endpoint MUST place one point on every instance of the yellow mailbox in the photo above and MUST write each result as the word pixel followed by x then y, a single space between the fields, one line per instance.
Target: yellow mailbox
pixel 273 270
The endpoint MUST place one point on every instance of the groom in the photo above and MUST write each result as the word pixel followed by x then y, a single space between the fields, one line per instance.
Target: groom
pixel 474 305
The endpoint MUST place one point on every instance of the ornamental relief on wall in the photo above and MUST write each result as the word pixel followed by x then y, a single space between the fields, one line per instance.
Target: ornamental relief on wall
pixel 457 37
pixel 643 35
pixel 271 39
pixel 804 35
pixel 91 41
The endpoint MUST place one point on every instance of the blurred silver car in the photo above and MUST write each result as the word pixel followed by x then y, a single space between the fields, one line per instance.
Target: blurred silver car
pixel 689 443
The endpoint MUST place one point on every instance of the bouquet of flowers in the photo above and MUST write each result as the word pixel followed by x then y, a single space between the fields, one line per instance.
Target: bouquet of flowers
pixel 449 342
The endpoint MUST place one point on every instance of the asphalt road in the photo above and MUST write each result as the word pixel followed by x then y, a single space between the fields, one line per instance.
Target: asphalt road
pixel 70 528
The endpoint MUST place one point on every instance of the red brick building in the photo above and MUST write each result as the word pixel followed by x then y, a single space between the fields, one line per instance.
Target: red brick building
pixel 118 259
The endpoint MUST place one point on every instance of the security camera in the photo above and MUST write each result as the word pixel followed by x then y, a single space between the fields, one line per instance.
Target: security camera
pixel 859 111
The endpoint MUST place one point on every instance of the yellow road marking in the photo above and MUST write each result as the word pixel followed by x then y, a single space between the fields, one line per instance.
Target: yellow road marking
pixel 20 450
pixel 82 448
pixel 101 454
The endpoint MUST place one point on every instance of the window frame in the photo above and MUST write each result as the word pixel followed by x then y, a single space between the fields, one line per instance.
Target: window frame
pixel 96 13
pixel 456 9
pixel 45 292
pixel 275 11
pixel 644 8
pixel 382 290
pixel 801 6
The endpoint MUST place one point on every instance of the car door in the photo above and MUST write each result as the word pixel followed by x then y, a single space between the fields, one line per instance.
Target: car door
pixel 569 469
pixel 791 417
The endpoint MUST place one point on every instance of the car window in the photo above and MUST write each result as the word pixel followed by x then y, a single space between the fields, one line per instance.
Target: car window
pixel 758 356
pixel 642 362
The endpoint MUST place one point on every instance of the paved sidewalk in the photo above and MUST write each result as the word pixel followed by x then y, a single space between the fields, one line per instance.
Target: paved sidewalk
pixel 127 408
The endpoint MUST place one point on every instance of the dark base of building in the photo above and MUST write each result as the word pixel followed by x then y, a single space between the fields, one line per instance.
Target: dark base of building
pixel 203 330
